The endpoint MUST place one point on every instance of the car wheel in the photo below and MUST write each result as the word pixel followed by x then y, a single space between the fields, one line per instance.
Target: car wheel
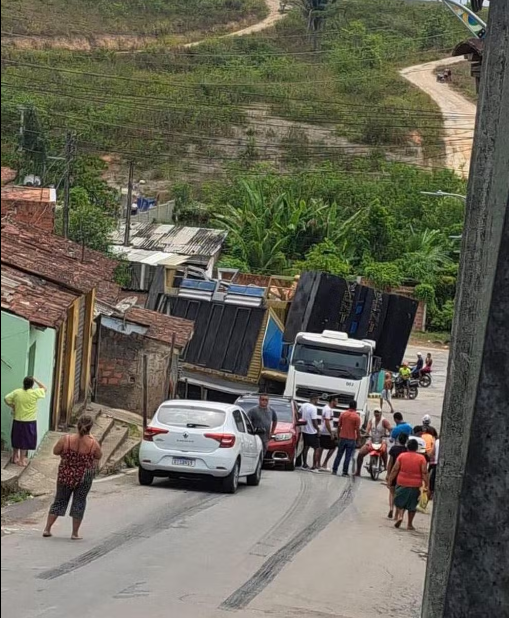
pixel 291 465
pixel 145 477
pixel 230 483
pixel 254 479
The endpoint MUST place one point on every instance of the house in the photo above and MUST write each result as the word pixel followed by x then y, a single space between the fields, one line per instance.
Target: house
pixel 136 360
pixel 40 269
pixel 34 314
pixel 33 206
pixel 84 279
pixel 201 247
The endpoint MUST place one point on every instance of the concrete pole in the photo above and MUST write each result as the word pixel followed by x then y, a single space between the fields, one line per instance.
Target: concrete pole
pixel 468 565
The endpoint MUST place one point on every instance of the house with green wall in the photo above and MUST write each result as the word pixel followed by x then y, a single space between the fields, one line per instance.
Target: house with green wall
pixel 33 313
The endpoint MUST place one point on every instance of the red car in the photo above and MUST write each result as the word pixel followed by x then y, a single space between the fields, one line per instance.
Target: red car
pixel 286 445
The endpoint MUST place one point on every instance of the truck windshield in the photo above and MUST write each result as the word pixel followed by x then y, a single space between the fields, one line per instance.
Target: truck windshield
pixel 329 361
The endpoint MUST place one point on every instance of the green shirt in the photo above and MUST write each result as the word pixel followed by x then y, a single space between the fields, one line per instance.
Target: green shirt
pixel 25 403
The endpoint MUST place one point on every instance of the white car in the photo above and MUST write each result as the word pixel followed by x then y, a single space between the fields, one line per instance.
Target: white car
pixel 201 439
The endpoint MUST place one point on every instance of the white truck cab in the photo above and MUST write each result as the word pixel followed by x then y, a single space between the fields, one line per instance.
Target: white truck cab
pixel 332 363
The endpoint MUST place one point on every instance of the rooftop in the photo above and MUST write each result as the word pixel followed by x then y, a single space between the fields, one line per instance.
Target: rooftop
pixel 40 195
pixel 161 326
pixel 34 299
pixel 151 258
pixel 188 241
pixel 54 258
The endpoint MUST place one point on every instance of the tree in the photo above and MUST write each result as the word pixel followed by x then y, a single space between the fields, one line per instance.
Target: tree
pixel 316 13
pixel 325 257
pixel 89 225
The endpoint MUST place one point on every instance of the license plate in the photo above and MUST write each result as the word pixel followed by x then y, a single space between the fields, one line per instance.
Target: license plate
pixel 182 461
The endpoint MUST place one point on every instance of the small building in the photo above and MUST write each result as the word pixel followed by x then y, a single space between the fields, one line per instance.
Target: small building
pixel 137 354
pixel 34 314
pixel 34 206
pixel 55 264
pixel 200 246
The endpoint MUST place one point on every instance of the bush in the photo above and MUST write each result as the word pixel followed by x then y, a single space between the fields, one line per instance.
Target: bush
pixel 441 319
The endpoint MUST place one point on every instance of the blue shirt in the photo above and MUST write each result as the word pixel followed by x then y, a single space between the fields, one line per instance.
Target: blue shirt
pixel 401 428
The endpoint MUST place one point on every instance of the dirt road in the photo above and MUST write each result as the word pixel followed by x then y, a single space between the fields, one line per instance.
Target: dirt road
pixel 125 42
pixel 458 112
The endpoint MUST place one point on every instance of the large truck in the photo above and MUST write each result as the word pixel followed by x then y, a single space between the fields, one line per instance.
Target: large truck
pixel 331 363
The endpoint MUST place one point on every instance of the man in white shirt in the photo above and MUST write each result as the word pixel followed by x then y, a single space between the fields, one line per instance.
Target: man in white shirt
pixel 328 441
pixel 311 433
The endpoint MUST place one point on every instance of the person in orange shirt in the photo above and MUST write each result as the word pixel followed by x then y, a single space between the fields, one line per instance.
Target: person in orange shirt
pixel 411 474
pixel 349 425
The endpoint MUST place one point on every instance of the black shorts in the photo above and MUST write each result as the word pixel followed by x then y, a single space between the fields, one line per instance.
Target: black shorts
pixel 312 440
pixel 327 442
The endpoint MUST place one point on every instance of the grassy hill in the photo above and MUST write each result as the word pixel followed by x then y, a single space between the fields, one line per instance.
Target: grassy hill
pixel 193 111
pixel 95 18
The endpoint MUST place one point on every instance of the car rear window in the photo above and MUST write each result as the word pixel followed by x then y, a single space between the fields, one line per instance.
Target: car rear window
pixel 188 416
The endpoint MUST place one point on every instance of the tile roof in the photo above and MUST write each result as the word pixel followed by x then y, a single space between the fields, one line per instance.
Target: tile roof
pixel 30 297
pixel 54 258
pixel 8 175
pixel 188 241
pixel 40 195
pixel 161 326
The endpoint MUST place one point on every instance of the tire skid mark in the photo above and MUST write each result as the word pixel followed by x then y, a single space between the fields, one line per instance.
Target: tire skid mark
pixel 283 526
pixel 162 520
pixel 269 570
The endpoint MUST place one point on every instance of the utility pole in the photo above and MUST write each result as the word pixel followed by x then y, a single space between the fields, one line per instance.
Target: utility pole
pixel 127 232
pixel 469 548
pixel 69 155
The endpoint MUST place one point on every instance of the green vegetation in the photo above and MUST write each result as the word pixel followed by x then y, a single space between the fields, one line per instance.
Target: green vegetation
pixel 14 497
pixel 182 112
pixel 94 18
pixel 371 220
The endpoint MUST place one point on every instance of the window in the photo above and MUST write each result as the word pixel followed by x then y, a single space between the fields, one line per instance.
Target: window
pixel 249 425
pixel 329 361
pixel 191 417
pixel 237 417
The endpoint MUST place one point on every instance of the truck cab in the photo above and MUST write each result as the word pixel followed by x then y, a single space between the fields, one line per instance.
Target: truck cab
pixel 332 363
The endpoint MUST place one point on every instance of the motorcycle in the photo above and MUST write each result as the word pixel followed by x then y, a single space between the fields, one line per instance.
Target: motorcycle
pixel 375 465
pixel 425 379
pixel 400 389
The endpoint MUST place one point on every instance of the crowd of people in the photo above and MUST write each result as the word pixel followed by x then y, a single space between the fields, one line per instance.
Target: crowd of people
pixel 410 462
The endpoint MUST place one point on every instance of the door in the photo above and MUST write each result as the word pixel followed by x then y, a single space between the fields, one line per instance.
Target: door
pixel 246 457
pixel 254 442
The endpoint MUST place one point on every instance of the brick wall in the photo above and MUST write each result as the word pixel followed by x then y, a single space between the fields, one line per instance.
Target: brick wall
pixel 120 374
pixel 37 214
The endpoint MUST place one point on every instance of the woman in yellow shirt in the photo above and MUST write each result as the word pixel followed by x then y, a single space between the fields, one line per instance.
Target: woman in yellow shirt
pixel 23 402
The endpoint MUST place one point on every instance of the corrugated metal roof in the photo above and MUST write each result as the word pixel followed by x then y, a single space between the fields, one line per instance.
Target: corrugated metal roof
pixel 188 241
pixel 152 258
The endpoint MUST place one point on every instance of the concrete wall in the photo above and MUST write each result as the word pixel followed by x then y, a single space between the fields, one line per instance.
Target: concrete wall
pixel 17 338
pixel 120 373
pixel 45 342
pixel 15 341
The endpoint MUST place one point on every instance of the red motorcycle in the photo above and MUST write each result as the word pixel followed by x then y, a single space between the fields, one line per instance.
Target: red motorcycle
pixel 375 465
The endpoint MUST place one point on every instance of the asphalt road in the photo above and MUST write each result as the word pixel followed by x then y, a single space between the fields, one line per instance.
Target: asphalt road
pixel 306 545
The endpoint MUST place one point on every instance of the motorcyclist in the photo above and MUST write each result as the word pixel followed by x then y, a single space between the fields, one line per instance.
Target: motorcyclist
pixel 416 370
pixel 405 373
pixel 378 430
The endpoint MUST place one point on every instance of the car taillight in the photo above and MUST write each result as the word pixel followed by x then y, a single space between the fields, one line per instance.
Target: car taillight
pixel 226 440
pixel 150 432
